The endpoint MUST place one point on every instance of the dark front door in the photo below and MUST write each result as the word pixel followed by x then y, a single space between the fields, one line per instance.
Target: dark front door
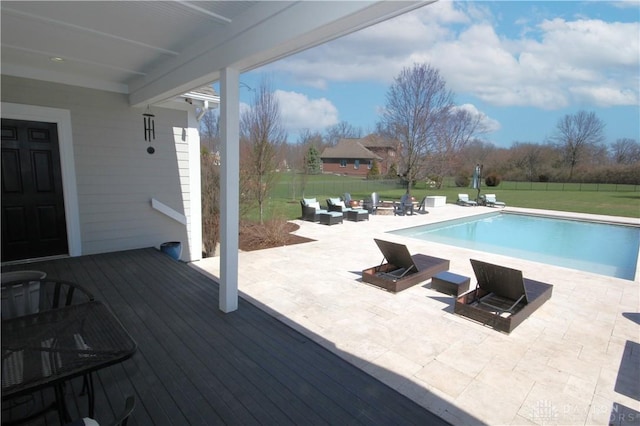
pixel 33 220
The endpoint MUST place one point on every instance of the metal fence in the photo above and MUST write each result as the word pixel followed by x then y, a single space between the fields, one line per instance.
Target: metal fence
pixel 565 186
pixel 337 187
pixel 294 190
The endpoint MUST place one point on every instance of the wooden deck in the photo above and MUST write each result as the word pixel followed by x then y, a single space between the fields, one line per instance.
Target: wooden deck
pixel 197 365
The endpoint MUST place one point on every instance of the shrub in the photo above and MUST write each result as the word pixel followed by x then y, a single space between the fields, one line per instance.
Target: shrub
pixel 392 173
pixel 543 178
pixel 492 180
pixel 374 171
pixel 272 233
pixel 462 181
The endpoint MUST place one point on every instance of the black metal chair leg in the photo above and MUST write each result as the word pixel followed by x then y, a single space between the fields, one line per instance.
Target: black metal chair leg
pixel 63 413
pixel 90 394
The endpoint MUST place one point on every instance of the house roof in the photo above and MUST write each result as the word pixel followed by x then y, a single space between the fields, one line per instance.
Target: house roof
pixel 376 141
pixel 154 51
pixel 349 148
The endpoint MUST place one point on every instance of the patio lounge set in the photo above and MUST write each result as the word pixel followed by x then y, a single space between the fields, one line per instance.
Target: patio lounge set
pixel 337 210
pixel 502 299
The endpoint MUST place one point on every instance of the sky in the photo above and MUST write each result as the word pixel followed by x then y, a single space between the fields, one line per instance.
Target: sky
pixel 520 65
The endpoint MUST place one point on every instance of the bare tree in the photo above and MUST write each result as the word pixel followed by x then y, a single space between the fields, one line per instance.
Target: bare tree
pixel 342 130
pixel 417 101
pixel 625 151
pixel 262 129
pixel 210 130
pixel 210 197
pixel 577 133
pixel 527 157
pixel 452 134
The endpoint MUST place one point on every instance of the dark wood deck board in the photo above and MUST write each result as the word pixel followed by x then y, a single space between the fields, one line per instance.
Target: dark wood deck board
pixel 197 365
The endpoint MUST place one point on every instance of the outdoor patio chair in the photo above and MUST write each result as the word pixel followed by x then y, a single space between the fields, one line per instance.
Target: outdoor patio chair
pixel 337 205
pixel 372 204
pixel 311 209
pixel 30 296
pixel 354 214
pixel 490 200
pixel 121 420
pixel 502 298
pixel 347 199
pixel 463 200
pixel 404 207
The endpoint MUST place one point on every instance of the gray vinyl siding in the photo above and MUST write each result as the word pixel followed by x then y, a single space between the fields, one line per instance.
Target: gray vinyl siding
pixel 116 177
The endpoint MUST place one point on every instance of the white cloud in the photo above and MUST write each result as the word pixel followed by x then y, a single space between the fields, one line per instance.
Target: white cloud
pixel 550 64
pixel 244 107
pixel 489 124
pixel 298 112
pixel 377 53
pixel 622 4
pixel 605 96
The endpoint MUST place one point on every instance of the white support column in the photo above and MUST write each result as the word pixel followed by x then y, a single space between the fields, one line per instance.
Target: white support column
pixel 194 227
pixel 229 187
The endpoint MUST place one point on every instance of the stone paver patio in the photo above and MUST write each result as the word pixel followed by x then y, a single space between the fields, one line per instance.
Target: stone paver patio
pixel 569 363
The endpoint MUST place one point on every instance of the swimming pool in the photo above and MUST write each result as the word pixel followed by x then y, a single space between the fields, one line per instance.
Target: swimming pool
pixel 600 248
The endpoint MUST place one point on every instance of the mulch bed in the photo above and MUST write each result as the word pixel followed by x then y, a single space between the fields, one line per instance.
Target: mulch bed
pixel 250 237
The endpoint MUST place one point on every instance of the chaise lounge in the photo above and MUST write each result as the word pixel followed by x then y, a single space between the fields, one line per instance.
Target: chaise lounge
pixel 400 270
pixel 502 298
pixel 463 200
pixel 490 200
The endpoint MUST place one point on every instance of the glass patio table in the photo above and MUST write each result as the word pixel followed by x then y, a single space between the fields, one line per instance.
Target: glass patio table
pixel 49 348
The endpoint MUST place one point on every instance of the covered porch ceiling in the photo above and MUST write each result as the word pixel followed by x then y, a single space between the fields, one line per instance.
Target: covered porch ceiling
pixel 156 50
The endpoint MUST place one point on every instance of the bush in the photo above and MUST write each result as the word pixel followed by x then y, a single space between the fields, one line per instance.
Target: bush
pixel 462 181
pixel 273 233
pixel 392 173
pixel 543 178
pixel 492 180
pixel 374 171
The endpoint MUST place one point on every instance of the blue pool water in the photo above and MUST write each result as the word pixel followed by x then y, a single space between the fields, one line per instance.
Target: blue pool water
pixel 599 248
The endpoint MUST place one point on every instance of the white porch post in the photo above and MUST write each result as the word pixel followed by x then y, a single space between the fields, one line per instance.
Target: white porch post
pixel 229 187
pixel 194 226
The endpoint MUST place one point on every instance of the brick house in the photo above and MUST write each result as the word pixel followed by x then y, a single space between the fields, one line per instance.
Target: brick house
pixel 354 157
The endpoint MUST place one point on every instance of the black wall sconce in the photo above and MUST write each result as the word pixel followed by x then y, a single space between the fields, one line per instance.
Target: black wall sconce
pixel 149 125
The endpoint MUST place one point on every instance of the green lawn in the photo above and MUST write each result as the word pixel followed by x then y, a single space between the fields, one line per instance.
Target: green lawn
pixel 614 200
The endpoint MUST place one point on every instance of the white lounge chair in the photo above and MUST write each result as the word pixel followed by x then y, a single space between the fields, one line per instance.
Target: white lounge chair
pixel 463 200
pixel 490 200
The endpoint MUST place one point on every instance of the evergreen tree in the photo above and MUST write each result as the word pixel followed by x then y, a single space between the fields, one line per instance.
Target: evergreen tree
pixel 312 163
pixel 374 171
pixel 392 173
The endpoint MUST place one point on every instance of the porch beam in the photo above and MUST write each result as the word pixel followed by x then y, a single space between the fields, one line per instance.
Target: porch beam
pixel 269 31
pixel 229 187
